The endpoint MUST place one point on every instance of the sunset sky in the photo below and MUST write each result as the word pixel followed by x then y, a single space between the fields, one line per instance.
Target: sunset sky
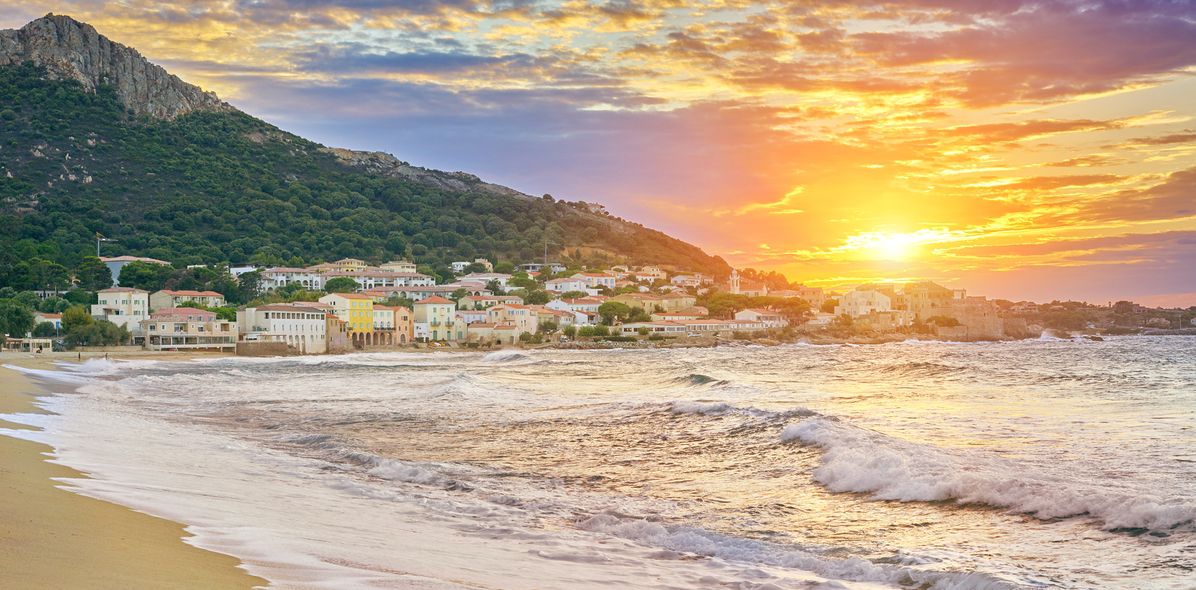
pixel 1034 150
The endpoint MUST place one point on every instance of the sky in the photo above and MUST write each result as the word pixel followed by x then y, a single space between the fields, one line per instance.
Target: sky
pixel 1020 149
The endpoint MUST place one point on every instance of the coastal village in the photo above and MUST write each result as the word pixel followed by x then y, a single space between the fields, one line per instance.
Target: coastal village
pixel 349 305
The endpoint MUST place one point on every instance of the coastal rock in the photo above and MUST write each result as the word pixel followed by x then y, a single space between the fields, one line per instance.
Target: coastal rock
pixel 72 50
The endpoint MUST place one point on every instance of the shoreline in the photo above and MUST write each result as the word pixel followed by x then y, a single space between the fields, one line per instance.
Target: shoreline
pixel 53 537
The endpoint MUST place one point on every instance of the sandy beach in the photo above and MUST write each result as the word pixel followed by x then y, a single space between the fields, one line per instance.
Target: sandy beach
pixel 53 538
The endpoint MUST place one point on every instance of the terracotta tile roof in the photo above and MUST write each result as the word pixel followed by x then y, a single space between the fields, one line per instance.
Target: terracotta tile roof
pixel 435 299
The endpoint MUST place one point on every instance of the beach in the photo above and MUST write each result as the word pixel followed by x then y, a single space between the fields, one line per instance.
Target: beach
pixel 51 537
pixel 1060 463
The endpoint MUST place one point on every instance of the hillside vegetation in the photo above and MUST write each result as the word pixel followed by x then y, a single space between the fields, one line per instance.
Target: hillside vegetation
pixel 210 187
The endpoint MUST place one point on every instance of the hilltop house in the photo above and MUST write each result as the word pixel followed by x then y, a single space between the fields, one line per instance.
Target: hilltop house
pixel 116 263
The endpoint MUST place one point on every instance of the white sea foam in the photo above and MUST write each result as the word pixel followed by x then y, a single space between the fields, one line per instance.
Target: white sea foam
pixel 697 541
pixel 888 468
pixel 505 356
pixel 699 407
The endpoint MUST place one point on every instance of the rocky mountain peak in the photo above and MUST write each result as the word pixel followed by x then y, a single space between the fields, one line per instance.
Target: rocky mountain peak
pixel 72 50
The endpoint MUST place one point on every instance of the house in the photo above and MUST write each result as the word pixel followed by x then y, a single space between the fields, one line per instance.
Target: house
pixel 687 280
pixel 50 318
pixel 768 317
pixel 435 320
pixel 281 276
pixel 186 328
pixel 556 316
pixel 116 263
pixel 123 306
pixel 373 279
pixel 651 274
pixel 470 287
pixel 301 328
pixel 412 293
pixel 393 326
pixel 472 316
pixel 485 277
pixel 399 266
pixel 506 333
pixel 355 309
pixel 484 301
pixel 863 302
pixel 689 313
pixel 596 280
pixel 523 317
pixel 588 304
pixel 552 267
pixel 926 299
pixel 480 332
pixel 812 295
pixel 168 298
pixel 653 327
pixel 564 285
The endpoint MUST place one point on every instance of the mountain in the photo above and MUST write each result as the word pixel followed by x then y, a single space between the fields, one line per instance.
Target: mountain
pixel 94 138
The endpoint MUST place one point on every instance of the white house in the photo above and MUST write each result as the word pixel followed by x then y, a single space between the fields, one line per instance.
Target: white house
pixel 564 285
pixel 595 280
pixel 300 327
pixel 590 304
pixel 857 303
pixel 123 306
pixel 486 277
pixel 116 263
pixel 768 317
pixel 281 276
pixel 687 280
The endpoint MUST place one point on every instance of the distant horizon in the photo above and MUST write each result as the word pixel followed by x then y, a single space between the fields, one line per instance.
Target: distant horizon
pixel 830 145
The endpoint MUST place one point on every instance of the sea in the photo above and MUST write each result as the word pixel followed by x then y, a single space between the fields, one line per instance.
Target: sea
pixel 1051 463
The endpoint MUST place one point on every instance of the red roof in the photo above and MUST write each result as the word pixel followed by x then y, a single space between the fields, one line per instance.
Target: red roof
pixel 183 312
pixel 191 293
pixel 435 299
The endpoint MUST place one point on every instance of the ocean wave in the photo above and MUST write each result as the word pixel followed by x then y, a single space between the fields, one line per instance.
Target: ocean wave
pixel 698 379
pixel 505 356
pixel 702 542
pixel 711 408
pixel 864 461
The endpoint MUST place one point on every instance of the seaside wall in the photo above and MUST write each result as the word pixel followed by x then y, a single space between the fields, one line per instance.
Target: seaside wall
pixel 263 349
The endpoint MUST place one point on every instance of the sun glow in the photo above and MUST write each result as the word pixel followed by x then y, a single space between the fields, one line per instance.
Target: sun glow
pixel 894 246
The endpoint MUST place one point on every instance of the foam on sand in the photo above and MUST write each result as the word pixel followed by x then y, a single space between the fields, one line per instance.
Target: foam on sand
pixel 863 461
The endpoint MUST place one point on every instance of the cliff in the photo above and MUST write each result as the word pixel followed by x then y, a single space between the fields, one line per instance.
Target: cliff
pixel 71 50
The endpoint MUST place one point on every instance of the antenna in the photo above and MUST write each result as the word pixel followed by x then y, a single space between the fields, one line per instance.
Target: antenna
pixel 100 238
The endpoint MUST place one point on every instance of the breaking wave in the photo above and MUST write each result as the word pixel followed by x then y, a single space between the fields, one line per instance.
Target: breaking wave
pixel 864 461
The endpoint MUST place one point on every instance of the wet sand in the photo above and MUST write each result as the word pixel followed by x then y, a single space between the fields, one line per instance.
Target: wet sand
pixel 53 538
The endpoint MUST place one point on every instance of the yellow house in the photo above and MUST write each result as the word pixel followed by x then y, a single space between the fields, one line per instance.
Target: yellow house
pixel 355 309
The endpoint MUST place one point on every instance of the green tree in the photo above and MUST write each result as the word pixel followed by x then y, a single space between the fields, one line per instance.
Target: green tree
pixel 100 333
pixel 341 285
pixel 570 331
pixel 147 276
pixel 537 297
pixel 76 317
pixel 45 330
pixel 16 319
pixel 612 311
pixel 548 327
pixel 92 275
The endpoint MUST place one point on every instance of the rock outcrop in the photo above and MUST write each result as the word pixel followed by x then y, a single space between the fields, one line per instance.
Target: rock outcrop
pixel 72 50
pixel 384 164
